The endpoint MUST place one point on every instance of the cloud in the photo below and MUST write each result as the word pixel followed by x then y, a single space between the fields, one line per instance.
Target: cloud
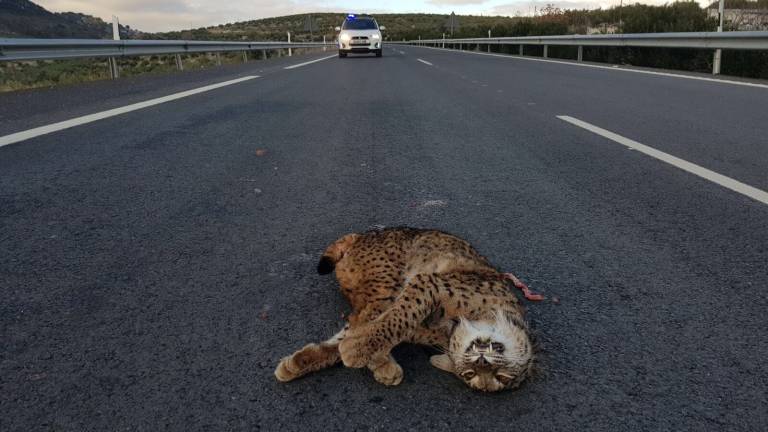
pixel 526 7
pixel 456 2
pixel 165 15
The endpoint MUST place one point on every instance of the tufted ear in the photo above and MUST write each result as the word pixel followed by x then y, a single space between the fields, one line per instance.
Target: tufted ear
pixel 442 362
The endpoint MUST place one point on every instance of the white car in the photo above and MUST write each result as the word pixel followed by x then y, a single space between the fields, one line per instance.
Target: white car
pixel 360 34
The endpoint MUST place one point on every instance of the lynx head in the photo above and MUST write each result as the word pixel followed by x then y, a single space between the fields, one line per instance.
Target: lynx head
pixel 489 355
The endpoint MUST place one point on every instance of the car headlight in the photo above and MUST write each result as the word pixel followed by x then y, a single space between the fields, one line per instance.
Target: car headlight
pixel 376 36
pixel 344 37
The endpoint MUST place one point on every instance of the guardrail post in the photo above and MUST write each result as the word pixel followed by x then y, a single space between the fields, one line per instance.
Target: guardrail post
pixel 718 52
pixel 245 56
pixel 545 51
pixel 114 69
pixel 218 59
pixel 580 56
pixel 179 63
pixel 716 62
pixel 290 53
pixel 521 50
pixel 489 41
pixel 324 47
pixel 264 54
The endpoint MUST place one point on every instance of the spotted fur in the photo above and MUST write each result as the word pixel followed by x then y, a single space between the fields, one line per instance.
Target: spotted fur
pixel 425 287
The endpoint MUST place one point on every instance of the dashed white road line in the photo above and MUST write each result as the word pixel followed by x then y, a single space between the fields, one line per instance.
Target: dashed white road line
pixel 726 182
pixel 309 62
pixel 612 67
pixel 66 124
pixel 425 62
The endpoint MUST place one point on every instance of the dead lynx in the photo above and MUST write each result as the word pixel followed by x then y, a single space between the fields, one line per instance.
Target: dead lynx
pixel 425 287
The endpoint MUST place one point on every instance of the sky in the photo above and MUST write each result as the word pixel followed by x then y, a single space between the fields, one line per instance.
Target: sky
pixel 165 15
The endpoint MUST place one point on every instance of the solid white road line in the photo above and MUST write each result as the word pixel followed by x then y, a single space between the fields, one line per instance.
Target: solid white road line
pixel 425 62
pixel 613 68
pixel 44 130
pixel 309 62
pixel 726 182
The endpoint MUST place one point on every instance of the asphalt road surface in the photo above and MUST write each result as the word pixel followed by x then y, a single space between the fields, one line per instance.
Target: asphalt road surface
pixel 156 265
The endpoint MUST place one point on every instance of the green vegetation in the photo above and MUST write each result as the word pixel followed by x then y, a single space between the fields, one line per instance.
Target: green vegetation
pixel 37 74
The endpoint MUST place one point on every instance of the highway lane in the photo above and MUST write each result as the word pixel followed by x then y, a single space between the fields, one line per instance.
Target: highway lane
pixel 722 126
pixel 24 110
pixel 155 266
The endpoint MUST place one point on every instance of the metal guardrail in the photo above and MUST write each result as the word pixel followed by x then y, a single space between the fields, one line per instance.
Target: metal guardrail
pixel 52 49
pixel 740 40
pixel 748 40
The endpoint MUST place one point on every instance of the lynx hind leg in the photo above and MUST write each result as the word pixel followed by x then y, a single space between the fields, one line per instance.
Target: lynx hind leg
pixel 386 370
pixel 311 358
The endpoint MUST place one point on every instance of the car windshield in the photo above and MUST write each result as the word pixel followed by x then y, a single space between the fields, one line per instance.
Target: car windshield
pixel 359 24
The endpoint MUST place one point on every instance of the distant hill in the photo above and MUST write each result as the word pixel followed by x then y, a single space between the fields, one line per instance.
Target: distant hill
pixel 22 18
pixel 399 26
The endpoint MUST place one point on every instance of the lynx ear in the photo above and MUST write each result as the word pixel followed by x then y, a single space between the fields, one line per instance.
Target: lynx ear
pixel 442 362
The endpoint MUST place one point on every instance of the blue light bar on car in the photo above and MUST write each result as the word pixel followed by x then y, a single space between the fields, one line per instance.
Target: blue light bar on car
pixel 351 16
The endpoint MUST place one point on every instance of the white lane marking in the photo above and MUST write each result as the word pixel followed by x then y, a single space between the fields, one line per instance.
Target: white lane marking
pixel 66 124
pixel 309 62
pixel 425 62
pixel 726 182
pixel 613 68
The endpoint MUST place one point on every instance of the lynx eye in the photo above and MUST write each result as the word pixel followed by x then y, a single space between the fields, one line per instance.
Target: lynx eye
pixel 468 375
pixel 504 379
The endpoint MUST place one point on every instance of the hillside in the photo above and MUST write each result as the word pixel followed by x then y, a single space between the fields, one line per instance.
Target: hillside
pixel 399 26
pixel 22 18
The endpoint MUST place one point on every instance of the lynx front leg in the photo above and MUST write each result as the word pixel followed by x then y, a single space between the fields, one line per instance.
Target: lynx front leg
pixel 373 340
pixel 386 370
pixel 312 357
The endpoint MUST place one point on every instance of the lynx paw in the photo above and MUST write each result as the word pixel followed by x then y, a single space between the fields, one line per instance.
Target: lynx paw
pixel 287 370
pixel 358 347
pixel 389 374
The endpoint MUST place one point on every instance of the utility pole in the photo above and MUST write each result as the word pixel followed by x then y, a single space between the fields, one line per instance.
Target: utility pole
pixel 453 23
pixel 310 26
pixel 718 52
pixel 621 24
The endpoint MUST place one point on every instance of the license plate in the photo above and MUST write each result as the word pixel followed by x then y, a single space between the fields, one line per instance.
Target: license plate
pixel 359 42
